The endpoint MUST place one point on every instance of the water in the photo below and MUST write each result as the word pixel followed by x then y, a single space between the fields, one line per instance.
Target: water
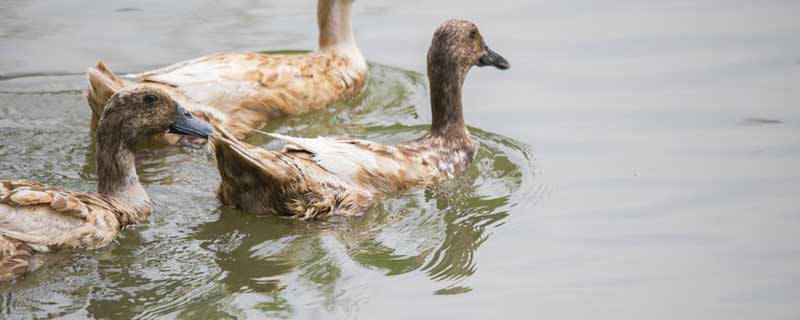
pixel 639 160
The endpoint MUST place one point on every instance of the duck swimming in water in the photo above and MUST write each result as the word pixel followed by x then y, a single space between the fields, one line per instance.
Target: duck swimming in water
pixel 35 217
pixel 318 177
pixel 243 91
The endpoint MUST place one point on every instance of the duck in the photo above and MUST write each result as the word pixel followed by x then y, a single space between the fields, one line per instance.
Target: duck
pixel 314 178
pixel 244 90
pixel 36 217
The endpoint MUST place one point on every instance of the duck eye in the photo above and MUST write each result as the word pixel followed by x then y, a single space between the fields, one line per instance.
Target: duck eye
pixel 150 98
pixel 473 34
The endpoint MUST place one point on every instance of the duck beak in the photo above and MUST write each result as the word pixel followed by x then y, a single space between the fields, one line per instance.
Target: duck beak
pixel 491 58
pixel 188 124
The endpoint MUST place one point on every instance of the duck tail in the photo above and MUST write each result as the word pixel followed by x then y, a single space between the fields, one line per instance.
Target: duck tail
pixel 227 148
pixel 248 175
pixel 14 259
pixel 102 85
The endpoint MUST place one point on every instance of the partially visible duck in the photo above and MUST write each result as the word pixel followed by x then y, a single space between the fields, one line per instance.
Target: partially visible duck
pixel 35 217
pixel 318 177
pixel 242 91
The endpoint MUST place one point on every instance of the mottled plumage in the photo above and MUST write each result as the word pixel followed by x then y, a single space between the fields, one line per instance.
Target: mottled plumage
pixel 242 91
pixel 35 217
pixel 318 177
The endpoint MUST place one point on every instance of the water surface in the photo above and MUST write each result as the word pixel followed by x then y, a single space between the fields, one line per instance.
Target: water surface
pixel 639 160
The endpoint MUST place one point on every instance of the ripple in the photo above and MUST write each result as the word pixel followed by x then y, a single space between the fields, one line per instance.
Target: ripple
pixel 759 121
pixel 198 259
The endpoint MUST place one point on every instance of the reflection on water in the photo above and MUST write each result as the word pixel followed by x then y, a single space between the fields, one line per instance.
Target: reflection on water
pixel 198 259
pixel 670 130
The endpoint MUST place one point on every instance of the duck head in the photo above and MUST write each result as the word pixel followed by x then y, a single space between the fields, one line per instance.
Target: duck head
pixel 138 113
pixel 458 44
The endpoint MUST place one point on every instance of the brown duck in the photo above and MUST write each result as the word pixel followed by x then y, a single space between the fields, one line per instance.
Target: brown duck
pixel 35 217
pixel 242 91
pixel 318 177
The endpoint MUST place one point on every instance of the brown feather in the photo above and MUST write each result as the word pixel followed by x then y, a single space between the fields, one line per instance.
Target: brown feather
pixel 35 217
pixel 14 259
pixel 315 178
pixel 243 91
pixel 102 85
pixel 46 217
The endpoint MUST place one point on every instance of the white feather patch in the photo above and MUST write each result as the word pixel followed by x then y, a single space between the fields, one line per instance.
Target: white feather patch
pixel 344 160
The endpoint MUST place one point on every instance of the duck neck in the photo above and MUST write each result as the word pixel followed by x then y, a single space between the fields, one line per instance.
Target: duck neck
pixel 333 17
pixel 116 173
pixel 448 117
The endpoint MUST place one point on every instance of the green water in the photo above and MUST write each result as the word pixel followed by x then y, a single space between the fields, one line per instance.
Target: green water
pixel 198 259
pixel 638 161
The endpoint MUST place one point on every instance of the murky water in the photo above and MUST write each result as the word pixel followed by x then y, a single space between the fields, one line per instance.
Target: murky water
pixel 639 160
pixel 196 258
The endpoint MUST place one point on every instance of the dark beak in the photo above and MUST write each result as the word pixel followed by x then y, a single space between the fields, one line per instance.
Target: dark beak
pixel 491 58
pixel 188 124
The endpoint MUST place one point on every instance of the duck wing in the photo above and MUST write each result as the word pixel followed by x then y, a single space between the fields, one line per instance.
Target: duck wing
pixel 224 78
pixel 262 181
pixel 282 183
pixel 236 158
pixel 44 217
pixel 361 162
pixel 14 258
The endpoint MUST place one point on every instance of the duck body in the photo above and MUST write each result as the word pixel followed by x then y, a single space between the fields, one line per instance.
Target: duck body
pixel 35 217
pixel 47 218
pixel 243 91
pixel 319 177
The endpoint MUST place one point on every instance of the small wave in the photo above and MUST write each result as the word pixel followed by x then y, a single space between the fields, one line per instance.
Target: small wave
pixel 196 258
